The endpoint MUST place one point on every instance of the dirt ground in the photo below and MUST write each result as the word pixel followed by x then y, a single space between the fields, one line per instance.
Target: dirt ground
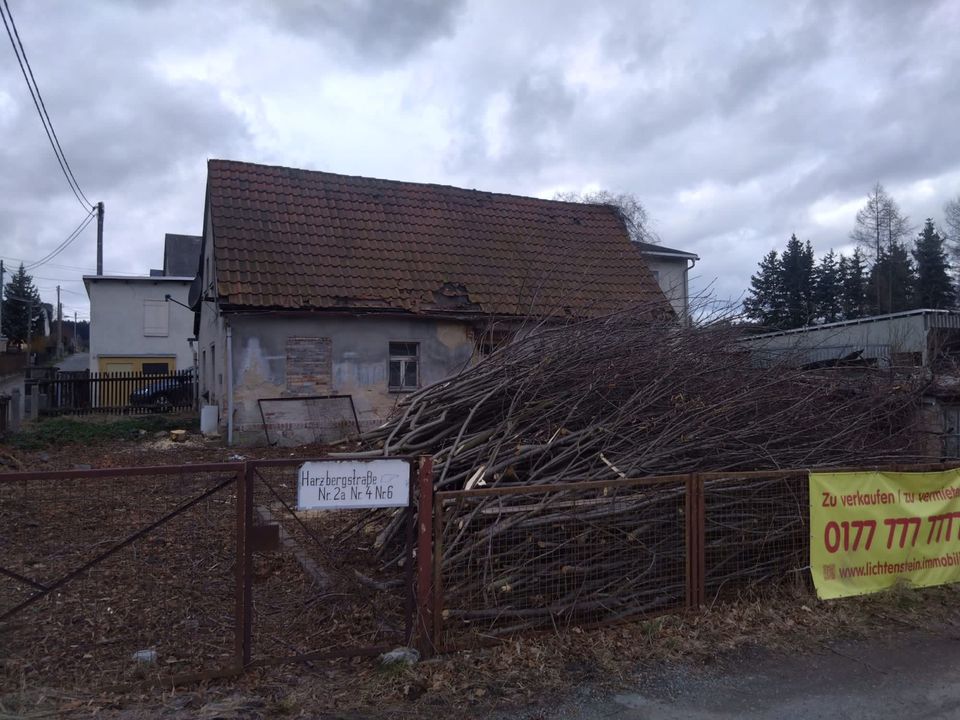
pixel 782 653
pixel 780 656
pixel 885 675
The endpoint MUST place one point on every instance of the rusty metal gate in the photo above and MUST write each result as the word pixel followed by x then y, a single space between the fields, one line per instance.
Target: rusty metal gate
pixel 177 573
pixel 317 583
pixel 116 575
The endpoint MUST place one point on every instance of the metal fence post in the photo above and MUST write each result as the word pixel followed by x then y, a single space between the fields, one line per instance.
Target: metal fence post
pixel 410 601
pixel 695 532
pixel 700 524
pixel 437 603
pixel 425 554
pixel 689 550
pixel 243 609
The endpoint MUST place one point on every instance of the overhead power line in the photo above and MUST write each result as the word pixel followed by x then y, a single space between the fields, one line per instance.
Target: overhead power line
pixel 38 103
pixel 74 267
pixel 64 245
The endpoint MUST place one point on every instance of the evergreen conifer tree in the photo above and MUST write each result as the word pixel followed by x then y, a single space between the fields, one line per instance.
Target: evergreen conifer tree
pixel 796 278
pixel 892 281
pixel 20 297
pixel 764 303
pixel 828 291
pixel 933 287
pixel 854 294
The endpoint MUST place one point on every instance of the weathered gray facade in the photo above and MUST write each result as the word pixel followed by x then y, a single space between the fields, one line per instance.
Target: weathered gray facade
pixel 287 356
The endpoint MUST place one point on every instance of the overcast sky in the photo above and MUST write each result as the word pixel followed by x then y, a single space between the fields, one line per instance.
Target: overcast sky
pixel 735 123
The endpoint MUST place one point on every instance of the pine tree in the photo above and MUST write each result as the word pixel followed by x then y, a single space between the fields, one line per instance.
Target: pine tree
pixel 20 297
pixel 796 277
pixel 827 288
pixel 892 281
pixel 854 282
pixel 764 304
pixel 933 287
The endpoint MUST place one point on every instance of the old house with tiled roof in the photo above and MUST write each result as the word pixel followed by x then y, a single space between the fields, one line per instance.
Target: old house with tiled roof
pixel 315 284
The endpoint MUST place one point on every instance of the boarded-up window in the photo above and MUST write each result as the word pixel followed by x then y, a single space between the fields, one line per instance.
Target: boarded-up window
pixel 309 365
pixel 156 318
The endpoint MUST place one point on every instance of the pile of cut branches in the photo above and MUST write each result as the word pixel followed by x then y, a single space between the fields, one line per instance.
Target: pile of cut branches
pixel 626 396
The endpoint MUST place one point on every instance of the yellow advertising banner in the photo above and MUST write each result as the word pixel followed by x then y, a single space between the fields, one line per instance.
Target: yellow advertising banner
pixel 872 530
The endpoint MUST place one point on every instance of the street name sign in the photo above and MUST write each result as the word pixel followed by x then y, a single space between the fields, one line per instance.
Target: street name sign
pixel 351 484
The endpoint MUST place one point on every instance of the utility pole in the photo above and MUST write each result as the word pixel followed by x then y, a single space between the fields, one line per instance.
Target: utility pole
pixel 29 332
pixel 59 324
pixel 99 238
pixel 1 303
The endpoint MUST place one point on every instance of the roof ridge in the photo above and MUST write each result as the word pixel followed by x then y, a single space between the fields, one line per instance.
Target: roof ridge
pixel 440 186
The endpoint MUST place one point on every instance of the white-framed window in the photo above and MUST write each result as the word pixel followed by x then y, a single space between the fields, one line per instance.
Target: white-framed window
pixel 404 368
pixel 156 318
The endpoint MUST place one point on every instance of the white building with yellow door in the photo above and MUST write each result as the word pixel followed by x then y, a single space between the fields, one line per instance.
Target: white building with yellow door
pixel 135 328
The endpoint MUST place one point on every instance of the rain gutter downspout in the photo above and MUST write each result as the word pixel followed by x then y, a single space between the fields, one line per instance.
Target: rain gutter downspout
pixel 686 290
pixel 229 385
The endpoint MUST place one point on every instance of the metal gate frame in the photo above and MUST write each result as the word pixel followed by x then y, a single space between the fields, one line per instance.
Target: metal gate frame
pixel 244 475
pixel 418 570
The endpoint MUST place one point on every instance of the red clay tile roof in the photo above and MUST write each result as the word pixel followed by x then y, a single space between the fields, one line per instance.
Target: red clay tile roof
pixel 298 239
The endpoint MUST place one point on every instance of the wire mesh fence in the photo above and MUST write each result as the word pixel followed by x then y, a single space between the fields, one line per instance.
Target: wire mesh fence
pixel 756 531
pixel 319 583
pixel 110 577
pixel 543 558
pixel 119 575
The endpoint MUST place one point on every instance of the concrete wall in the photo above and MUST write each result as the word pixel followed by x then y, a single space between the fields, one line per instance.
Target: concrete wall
pixel 117 319
pixel 671 275
pixel 352 355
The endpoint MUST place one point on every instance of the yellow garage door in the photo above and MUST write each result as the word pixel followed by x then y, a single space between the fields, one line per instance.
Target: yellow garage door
pixel 151 365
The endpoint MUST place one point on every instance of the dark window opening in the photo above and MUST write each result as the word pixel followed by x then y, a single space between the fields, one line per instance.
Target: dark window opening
pixel 404 374
pixel 155 368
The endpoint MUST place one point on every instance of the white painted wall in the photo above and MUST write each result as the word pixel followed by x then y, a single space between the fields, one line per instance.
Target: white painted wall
pixel 117 318
pixel 671 275
pixel 211 334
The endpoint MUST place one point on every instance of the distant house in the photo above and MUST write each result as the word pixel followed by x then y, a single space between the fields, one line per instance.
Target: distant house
pixel 181 254
pixel 314 283
pixel 134 327
pixel 671 269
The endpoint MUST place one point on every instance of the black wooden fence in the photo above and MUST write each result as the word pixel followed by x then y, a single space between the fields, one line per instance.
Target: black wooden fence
pixel 83 393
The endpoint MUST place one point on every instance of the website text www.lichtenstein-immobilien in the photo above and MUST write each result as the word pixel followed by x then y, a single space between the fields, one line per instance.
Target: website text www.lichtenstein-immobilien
pixel 882 567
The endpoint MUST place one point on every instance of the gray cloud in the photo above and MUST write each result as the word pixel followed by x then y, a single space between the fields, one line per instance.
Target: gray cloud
pixel 735 123
pixel 378 31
